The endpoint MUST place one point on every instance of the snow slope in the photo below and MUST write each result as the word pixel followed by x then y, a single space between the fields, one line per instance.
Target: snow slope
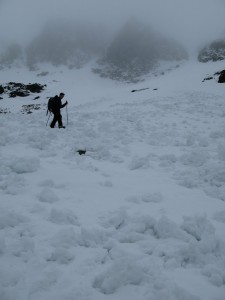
pixel 141 215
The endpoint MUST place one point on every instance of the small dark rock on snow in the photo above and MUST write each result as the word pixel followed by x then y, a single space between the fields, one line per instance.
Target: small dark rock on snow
pixel 207 78
pixel 81 152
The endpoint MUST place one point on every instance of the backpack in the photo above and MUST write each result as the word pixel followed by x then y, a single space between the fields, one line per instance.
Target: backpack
pixel 51 104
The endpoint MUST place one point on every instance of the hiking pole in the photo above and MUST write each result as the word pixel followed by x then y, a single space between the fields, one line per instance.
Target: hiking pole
pixel 66 115
pixel 48 119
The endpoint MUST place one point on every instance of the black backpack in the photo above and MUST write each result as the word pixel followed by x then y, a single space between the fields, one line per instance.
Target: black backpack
pixel 51 104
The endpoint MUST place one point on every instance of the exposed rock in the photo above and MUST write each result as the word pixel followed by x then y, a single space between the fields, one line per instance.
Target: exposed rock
pixel 221 78
pixel 16 89
pixel 218 76
pixel 207 78
pixel 18 93
pixel 35 87
pixel 133 91
pixel 213 52
pixel 81 152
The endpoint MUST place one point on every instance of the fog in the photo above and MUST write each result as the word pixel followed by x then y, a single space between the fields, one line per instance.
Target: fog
pixel 192 22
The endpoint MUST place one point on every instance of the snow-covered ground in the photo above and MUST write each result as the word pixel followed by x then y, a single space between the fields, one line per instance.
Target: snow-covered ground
pixel 141 215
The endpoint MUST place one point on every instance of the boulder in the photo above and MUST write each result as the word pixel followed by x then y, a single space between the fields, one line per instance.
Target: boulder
pixel 35 87
pixel 221 78
pixel 1 89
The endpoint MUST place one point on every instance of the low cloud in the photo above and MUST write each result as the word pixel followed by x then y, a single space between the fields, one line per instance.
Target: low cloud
pixel 191 22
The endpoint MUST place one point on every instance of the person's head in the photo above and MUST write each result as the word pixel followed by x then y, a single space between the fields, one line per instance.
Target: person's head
pixel 61 95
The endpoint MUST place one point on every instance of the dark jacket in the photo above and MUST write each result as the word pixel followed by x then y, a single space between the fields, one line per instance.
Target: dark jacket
pixel 58 104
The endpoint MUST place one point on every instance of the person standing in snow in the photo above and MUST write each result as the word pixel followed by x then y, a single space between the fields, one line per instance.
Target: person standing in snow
pixel 55 109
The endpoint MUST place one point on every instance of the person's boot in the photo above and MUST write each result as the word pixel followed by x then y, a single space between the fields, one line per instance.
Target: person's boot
pixel 62 126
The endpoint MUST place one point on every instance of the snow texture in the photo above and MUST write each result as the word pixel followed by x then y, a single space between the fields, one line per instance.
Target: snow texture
pixel 141 215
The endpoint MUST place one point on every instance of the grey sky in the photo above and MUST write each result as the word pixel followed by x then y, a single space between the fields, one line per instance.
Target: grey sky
pixel 190 21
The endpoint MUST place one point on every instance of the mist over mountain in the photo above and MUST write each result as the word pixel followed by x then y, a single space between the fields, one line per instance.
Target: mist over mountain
pixel 72 33
pixel 62 43
pixel 136 51
pixel 11 55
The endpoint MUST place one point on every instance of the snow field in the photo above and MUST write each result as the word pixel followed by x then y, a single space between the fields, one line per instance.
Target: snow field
pixel 140 216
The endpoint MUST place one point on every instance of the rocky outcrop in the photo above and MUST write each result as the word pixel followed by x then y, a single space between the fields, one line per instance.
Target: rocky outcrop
pixel 213 52
pixel 218 76
pixel 1 89
pixel 221 78
pixel 15 89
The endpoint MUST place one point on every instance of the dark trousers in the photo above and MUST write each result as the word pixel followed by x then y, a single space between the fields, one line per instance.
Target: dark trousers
pixel 57 118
